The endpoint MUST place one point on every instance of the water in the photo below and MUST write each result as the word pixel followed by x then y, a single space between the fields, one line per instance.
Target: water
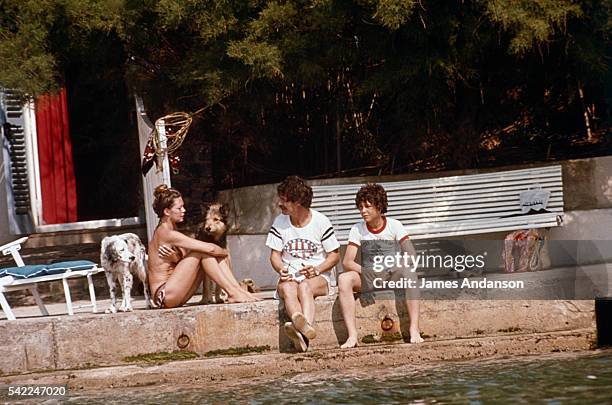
pixel 584 378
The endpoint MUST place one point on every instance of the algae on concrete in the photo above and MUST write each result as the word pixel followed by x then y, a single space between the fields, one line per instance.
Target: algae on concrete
pixel 237 351
pixel 387 337
pixel 510 329
pixel 161 357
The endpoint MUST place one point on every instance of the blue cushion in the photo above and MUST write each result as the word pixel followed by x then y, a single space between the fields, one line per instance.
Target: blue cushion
pixel 36 270
pixel 73 265
pixel 33 270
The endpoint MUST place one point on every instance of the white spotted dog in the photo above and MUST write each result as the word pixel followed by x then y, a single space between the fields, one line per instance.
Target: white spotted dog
pixel 214 230
pixel 123 257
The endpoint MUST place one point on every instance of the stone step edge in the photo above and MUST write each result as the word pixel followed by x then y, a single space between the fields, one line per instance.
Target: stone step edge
pixel 229 368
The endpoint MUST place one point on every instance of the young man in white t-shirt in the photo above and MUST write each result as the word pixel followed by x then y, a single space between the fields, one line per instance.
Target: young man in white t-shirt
pixel 371 200
pixel 304 251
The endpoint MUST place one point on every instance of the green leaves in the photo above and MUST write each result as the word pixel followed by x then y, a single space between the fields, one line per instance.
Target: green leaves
pixel 26 64
pixel 532 22
pixel 374 75
pixel 210 18
pixel 393 13
pixel 256 50
pixel 264 59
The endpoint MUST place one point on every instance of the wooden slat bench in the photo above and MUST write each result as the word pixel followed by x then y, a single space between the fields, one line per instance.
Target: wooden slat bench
pixel 452 206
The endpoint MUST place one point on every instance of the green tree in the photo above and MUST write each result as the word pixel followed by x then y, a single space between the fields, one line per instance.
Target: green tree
pixel 322 86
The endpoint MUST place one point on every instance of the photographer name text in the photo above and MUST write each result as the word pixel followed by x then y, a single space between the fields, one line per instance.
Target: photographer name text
pixel 466 283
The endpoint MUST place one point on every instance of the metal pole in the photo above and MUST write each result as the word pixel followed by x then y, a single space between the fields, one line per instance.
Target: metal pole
pixel 163 142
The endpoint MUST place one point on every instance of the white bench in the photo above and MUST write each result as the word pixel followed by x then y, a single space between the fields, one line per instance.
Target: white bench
pixel 452 206
pixel 10 283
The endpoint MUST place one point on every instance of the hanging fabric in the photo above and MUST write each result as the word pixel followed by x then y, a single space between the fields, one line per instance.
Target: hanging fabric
pixel 58 184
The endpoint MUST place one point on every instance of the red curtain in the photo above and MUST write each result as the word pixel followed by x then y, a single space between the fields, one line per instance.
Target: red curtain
pixel 58 185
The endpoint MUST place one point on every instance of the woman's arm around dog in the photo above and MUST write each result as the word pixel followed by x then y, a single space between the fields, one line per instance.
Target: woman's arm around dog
pixel 175 238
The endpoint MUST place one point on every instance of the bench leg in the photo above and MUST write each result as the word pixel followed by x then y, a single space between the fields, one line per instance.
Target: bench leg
pixel 6 307
pixel 92 294
pixel 39 302
pixel 67 295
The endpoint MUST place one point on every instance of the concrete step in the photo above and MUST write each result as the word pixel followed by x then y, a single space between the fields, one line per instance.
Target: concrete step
pixel 92 340
pixel 230 371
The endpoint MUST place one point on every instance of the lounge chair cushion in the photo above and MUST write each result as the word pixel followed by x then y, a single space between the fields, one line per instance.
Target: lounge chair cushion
pixel 74 265
pixel 32 270
pixel 37 270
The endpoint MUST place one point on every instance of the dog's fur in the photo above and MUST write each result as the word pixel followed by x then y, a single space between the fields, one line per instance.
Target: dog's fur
pixel 214 230
pixel 123 257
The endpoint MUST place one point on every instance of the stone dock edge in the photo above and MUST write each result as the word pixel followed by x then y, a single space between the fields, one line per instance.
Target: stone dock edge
pixel 229 369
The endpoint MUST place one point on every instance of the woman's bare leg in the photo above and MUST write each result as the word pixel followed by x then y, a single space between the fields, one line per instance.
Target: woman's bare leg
pixel 214 271
pixel 183 281
pixel 187 276
pixel 225 267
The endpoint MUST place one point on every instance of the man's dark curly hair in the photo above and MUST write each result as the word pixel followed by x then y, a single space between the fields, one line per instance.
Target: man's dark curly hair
pixel 295 189
pixel 373 193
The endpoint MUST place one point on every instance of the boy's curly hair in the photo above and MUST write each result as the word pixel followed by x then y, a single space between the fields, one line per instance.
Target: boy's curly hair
pixel 373 193
pixel 295 189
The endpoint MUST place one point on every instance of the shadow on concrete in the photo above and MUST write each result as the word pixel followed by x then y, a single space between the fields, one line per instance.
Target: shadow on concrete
pixel 338 322
pixel 284 344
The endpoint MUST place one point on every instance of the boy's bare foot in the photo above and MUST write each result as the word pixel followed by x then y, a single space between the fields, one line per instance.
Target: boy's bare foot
pixel 350 343
pixel 415 336
pixel 296 337
pixel 303 326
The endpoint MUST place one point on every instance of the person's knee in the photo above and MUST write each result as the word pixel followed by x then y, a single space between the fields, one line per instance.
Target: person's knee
pixel 304 290
pixel 286 289
pixel 203 256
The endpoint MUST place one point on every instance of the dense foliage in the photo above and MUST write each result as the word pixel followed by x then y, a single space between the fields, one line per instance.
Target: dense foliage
pixel 322 87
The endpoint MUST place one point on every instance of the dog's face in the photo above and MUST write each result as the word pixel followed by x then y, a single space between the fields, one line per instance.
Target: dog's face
pixel 215 221
pixel 118 250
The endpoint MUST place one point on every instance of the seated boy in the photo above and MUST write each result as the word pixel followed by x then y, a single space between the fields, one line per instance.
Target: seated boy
pixel 304 251
pixel 371 200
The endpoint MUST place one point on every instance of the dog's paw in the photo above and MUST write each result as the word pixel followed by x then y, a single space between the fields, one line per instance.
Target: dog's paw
pixel 126 309
pixel 110 310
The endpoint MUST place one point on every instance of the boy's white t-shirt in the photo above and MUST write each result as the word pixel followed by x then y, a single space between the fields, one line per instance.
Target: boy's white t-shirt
pixel 392 229
pixel 308 244
pixel 390 235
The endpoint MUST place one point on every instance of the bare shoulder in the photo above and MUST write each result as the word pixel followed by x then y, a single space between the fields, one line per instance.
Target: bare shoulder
pixel 163 235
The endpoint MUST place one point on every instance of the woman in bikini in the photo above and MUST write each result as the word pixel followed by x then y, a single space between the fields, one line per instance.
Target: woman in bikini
pixel 176 261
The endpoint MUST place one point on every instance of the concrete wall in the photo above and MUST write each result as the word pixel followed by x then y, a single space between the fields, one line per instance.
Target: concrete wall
pixel 587 202
pixel 90 340
pixel 587 185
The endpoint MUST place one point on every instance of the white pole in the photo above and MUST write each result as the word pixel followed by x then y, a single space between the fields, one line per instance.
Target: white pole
pixel 163 143
pixel 153 178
